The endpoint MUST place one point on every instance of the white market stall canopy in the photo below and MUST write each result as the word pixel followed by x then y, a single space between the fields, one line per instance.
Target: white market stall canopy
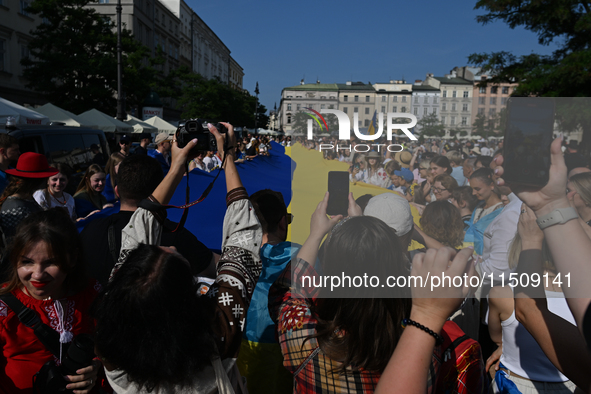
pixel 139 126
pixel 104 122
pixel 57 114
pixel 20 114
pixel 161 125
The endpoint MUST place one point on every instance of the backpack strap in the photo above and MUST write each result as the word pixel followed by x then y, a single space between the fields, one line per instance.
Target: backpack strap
pixel 112 243
pixel 48 337
pixel 306 361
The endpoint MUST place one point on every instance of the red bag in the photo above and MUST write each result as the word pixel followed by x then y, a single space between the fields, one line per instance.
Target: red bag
pixel 461 369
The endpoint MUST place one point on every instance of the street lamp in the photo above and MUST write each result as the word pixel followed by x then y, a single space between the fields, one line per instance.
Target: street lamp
pixel 120 99
pixel 256 107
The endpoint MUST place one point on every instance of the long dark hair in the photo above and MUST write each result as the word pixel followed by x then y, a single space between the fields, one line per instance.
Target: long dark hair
pixel 56 229
pixel 442 161
pixel 370 327
pixel 151 323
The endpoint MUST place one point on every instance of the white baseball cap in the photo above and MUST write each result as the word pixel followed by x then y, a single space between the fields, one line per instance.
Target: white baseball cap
pixel 393 210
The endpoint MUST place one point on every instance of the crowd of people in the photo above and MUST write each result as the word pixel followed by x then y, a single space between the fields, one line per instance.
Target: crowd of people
pixel 164 314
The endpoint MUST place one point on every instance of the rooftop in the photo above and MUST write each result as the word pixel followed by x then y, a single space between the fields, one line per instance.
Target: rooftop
pixel 453 81
pixel 314 86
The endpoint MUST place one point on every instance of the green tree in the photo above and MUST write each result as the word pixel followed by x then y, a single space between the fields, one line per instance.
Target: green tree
pixel 212 99
pixel 479 125
pixel 74 62
pixel 564 73
pixel 431 126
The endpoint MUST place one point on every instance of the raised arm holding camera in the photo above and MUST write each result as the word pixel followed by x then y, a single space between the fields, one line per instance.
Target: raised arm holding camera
pixel 153 291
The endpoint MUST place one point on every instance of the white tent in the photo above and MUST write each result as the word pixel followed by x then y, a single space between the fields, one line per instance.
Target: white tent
pixel 104 122
pixel 57 114
pixel 161 125
pixel 21 115
pixel 139 126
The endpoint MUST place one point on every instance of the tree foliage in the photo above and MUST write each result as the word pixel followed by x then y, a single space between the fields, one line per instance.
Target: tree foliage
pixel 300 123
pixel 74 60
pixel 215 100
pixel 564 73
pixel 431 126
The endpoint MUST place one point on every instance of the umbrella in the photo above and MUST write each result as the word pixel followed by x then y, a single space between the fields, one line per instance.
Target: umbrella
pixel 20 114
pixel 161 125
pixel 57 114
pixel 139 126
pixel 104 122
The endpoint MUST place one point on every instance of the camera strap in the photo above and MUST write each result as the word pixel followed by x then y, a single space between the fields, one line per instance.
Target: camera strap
pixel 155 207
pixel 48 337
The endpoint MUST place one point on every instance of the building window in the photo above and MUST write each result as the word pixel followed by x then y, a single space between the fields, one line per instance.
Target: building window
pixel 345 98
pixel 288 119
pixel 24 51
pixel 464 120
pixel 453 106
pixel 366 122
pixel 298 96
pixel 505 89
pixel 383 108
pixel 367 111
pixel 443 120
pixel 480 111
pixel 452 120
pixel 454 93
pixel 435 100
pixel 367 99
pixel 323 97
pixel 416 99
pixel 434 111
pixel 330 106
pixel 322 106
pixel 465 94
pixel 465 107
pixel 356 99
pixel 289 96
pixel 482 90
pixel 492 111
pixel 346 110
pixel 103 1
pixel 416 111
pixel 394 109
pixel 355 109
pixel 504 101
pixel 298 107
pixel 403 109
pixel 426 100
pixel 24 5
pixel 383 99
pixel 444 106
pixel 404 99
pixel 494 90
pixel 395 99
pixel 493 101
pixel 425 111
pixel 481 100
pixel 444 93
pixel 289 107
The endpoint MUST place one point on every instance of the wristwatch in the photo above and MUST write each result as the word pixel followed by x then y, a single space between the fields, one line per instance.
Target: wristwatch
pixel 557 216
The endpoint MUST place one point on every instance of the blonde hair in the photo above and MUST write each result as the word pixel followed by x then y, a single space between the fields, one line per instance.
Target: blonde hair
pixel 582 182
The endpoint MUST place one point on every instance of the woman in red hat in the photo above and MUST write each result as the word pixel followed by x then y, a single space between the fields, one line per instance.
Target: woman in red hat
pixel 17 202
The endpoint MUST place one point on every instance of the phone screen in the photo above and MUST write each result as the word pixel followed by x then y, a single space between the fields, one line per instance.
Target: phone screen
pixel 338 193
pixel 528 136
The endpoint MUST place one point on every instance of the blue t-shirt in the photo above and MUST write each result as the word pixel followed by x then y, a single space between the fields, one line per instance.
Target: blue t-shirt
pixel 458 174
pixel 160 157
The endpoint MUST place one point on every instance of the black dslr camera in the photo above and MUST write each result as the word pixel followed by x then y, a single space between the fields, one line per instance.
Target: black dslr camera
pixel 197 128
pixel 50 379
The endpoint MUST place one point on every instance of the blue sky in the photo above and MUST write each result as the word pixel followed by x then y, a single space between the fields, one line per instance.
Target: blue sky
pixel 279 43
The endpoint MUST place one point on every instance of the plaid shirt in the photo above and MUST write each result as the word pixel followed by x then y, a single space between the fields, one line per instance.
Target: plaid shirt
pixel 296 324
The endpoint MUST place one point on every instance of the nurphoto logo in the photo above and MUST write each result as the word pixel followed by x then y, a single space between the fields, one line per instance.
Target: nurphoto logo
pixel 345 129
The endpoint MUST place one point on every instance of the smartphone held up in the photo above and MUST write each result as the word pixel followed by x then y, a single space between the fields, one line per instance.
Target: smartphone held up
pixel 528 136
pixel 338 193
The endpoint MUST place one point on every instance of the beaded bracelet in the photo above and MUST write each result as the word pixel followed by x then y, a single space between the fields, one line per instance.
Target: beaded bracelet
pixel 438 338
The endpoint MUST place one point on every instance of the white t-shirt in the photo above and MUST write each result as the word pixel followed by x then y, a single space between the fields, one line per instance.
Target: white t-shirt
pixel 46 203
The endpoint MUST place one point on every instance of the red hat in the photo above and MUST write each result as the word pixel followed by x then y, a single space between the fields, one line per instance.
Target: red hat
pixel 32 165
